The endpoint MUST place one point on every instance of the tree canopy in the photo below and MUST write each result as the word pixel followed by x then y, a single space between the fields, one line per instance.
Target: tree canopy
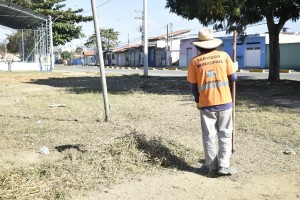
pixel 109 39
pixel 65 21
pixel 238 14
pixel 2 47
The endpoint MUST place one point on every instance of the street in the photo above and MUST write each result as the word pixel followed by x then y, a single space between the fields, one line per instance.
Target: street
pixel 121 70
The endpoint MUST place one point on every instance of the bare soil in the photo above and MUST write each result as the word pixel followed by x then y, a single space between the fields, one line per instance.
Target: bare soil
pixel 162 156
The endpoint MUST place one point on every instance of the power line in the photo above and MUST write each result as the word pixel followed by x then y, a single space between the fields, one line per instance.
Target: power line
pixel 98 6
pixel 159 29
pixel 80 12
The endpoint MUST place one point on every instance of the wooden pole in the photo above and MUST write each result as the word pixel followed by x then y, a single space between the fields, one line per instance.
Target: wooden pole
pixel 233 94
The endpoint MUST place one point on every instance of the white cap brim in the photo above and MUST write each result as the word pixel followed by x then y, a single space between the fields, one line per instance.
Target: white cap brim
pixel 208 44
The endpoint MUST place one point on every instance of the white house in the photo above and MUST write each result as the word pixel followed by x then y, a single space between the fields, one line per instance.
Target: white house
pixel 163 51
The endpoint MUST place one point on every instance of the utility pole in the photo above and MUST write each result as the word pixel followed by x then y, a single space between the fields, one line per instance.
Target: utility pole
pixel 128 40
pixel 170 48
pixel 51 44
pixel 167 37
pixel 102 70
pixel 5 46
pixel 171 36
pixel 145 29
pixel 23 46
pixel 141 30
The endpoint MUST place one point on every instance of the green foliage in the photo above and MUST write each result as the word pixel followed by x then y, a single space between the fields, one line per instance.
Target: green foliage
pixel 109 39
pixel 236 15
pixel 13 44
pixel 16 40
pixel 2 47
pixel 78 50
pixel 65 22
pixel 66 55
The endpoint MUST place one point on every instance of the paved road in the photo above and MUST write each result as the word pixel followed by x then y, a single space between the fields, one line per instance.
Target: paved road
pixel 178 73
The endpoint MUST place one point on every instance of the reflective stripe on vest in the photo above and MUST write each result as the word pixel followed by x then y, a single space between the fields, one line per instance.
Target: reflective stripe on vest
pixel 213 85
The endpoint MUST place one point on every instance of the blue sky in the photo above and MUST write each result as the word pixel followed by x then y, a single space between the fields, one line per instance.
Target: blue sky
pixel 120 15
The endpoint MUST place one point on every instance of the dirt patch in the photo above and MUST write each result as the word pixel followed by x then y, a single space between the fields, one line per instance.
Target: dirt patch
pixel 18 157
pixel 191 186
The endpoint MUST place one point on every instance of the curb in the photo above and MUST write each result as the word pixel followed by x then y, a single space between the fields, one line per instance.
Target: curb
pixel 185 69
pixel 286 71
pixel 257 70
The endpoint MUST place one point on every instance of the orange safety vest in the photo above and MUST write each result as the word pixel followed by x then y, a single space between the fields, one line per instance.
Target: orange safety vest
pixel 209 71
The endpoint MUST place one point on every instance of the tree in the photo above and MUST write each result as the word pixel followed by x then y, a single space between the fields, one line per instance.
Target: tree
pixel 78 50
pixel 2 47
pixel 109 39
pixel 238 14
pixel 66 55
pixel 19 40
pixel 65 22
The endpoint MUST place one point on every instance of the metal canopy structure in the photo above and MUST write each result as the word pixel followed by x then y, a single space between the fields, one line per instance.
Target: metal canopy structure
pixel 18 17
pixel 36 42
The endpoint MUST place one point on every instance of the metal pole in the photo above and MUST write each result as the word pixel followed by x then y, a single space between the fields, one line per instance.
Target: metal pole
pixel 128 39
pixel 167 37
pixel 51 43
pixel 100 53
pixel 145 40
pixel 5 46
pixel 233 94
pixel 23 46
pixel 171 36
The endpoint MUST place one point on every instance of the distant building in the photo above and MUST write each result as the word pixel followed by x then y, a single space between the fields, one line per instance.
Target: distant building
pixel 252 51
pixel 89 57
pixel 163 50
pixel 289 51
pixel 9 57
pixel 69 47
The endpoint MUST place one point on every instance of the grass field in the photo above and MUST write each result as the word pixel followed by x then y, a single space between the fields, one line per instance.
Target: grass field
pixel 153 127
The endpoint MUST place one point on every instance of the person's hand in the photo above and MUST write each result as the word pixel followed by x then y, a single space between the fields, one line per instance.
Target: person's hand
pixel 236 65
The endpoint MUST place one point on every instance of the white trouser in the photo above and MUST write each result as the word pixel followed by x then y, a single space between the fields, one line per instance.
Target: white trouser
pixel 213 123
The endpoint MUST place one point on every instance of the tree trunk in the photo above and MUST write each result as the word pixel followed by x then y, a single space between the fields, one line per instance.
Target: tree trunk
pixel 274 59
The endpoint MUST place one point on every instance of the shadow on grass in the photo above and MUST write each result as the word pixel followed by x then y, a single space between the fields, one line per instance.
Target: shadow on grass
pixel 285 93
pixel 120 84
pixel 62 148
pixel 167 154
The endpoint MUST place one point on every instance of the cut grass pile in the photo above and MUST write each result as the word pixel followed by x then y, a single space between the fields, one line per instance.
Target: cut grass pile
pixel 86 169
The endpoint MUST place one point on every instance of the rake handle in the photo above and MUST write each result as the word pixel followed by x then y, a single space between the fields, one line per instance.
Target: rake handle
pixel 233 91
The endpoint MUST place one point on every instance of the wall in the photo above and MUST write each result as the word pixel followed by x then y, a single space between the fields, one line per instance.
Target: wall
pixel 185 45
pixel 120 58
pixel 20 66
pixel 134 57
pixel 251 41
pixel 188 51
pixel 289 56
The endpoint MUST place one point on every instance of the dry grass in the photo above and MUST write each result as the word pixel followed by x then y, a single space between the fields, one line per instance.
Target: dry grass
pixel 153 126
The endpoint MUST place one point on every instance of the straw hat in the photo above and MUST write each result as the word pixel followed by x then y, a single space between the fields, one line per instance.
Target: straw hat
pixel 206 40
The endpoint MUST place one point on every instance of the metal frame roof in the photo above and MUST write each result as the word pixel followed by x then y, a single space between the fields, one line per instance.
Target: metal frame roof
pixel 18 17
